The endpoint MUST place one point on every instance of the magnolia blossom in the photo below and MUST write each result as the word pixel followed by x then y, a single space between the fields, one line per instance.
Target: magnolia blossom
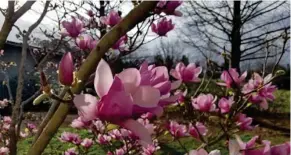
pixel 181 99
pixel 150 150
pixel 238 147
pixel 147 115
pixel 177 130
pixel 120 151
pixel 86 42
pixel 111 19
pixel 225 104
pixel 23 134
pixel 169 7
pixel 71 151
pixel 115 134
pixel 4 151
pixel 200 127
pixel 244 122
pixel 87 143
pixel 103 139
pixel 204 103
pixel 232 77
pixel 146 123
pixel 66 69
pixel 187 73
pixel 1 52
pixel 98 125
pixel 79 123
pixel 158 77
pixel 260 90
pixel 121 98
pixel 120 44
pixel 7 119
pixel 163 27
pixel 72 28
pixel 3 103
pixel 31 126
pixel 203 152
pixel 71 137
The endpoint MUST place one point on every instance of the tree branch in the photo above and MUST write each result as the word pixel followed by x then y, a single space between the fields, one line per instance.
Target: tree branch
pixel 24 8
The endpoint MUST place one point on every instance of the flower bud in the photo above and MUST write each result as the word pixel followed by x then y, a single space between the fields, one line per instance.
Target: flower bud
pixel 280 72
pixel 66 69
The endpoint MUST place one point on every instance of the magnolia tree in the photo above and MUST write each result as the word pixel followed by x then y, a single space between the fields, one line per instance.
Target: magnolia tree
pixel 127 115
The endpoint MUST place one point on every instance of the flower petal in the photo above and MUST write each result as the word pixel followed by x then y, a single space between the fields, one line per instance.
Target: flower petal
pixel 176 84
pixel 139 130
pixel 130 78
pixel 146 96
pixel 87 106
pixel 103 78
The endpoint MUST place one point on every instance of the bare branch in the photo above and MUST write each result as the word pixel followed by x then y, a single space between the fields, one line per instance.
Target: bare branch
pixel 24 8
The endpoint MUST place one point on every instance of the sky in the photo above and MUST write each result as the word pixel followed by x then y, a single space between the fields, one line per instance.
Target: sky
pixel 150 49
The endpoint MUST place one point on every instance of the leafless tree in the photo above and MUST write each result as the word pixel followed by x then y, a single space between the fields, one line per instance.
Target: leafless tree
pixel 240 29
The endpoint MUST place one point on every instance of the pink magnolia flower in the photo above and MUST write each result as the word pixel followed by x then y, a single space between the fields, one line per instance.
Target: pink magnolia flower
pixel 194 132
pixel 177 130
pixel 1 52
pixel 71 151
pixel 31 126
pixel 98 125
pixel 111 19
pixel 260 90
pixel 66 69
pixel 90 13
pixel 147 115
pixel 6 126
pixel 4 151
pixel 73 28
pixel 71 137
pixel 103 139
pixel 204 103
pixel 115 134
pixel 237 146
pixel 87 143
pixel 244 122
pixel 158 77
pixel 79 123
pixel 85 42
pixel 121 98
pixel 203 152
pixel 169 7
pixel 183 95
pixel 146 123
pixel 225 104
pixel 120 44
pixel 163 27
pixel 120 151
pixel 150 150
pixel 7 119
pixel 23 134
pixel 231 77
pixel 187 73
pixel 3 103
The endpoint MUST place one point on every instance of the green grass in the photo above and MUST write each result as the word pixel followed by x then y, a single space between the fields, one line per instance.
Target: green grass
pixel 282 102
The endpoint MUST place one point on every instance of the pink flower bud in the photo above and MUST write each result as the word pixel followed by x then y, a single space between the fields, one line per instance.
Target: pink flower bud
pixel 204 103
pixel 66 69
pixel 162 27
pixel 225 104
pixel 87 143
pixel 71 151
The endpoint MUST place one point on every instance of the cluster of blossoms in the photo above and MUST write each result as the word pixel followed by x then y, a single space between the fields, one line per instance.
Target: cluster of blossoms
pixel 4 103
pixel 5 124
pixel 132 99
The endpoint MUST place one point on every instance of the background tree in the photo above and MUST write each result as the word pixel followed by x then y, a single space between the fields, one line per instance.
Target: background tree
pixel 241 29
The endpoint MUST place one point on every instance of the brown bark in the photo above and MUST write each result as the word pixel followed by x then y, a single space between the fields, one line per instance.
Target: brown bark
pixel 5 30
pixel 236 37
pixel 16 107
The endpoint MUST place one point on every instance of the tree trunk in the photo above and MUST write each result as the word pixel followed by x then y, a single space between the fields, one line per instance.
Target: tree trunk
pixel 5 30
pixel 236 37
